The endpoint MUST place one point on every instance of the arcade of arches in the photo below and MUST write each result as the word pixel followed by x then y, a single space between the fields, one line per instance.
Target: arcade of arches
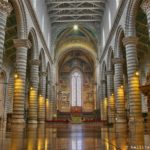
pixel 74 74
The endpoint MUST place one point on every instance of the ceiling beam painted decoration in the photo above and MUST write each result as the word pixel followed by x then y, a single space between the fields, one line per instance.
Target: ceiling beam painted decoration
pixel 62 11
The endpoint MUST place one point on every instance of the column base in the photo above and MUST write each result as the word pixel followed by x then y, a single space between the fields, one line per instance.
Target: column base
pixel 136 123
pixel 120 120
pixel 121 127
pixel 111 120
pixel 135 120
pixel 32 126
pixel 18 121
pixel 32 122
pixel 41 122
pixel 147 125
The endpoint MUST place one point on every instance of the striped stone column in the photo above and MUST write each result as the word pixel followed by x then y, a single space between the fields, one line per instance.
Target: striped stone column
pixel 110 93
pixel 31 135
pixel 133 79
pixel 42 96
pixel 103 101
pixel 33 96
pixel 22 46
pixel 55 101
pixel 146 8
pixel 51 101
pixel 119 90
pixel 41 137
pixel 5 10
pixel 48 101
pixel 121 135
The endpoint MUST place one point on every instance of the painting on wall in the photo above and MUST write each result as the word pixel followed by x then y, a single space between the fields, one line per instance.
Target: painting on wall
pixel 76 63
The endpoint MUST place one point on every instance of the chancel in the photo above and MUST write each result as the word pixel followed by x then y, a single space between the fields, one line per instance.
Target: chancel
pixel 74 74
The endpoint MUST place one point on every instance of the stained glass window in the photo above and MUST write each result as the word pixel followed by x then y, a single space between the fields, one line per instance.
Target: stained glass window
pixel 76 89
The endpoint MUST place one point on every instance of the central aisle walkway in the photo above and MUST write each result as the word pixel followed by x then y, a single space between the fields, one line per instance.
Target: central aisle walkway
pixel 73 137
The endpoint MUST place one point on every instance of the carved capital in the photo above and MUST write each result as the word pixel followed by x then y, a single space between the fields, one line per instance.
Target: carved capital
pixel 35 62
pixel 146 6
pixel 103 81
pixel 109 72
pixel 22 43
pixel 43 74
pixel 5 7
pixel 49 82
pixel 130 40
pixel 118 61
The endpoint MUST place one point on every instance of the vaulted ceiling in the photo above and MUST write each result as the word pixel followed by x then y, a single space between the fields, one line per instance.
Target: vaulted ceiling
pixel 142 33
pixel 75 10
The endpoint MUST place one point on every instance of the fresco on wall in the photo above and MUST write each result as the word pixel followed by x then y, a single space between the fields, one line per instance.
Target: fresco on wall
pixel 88 87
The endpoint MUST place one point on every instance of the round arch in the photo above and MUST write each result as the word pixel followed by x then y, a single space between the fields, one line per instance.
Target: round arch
pixel 118 39
pixel 130 29
pixel 43 61
pixel 48 71
pixel 21 18
pixel 81 48
pixel 32 34
pixel 103 70
pixel 109 58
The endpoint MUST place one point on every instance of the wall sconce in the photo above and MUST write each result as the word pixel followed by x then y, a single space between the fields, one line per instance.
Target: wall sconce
pixel 15 75
pixel 137 73
pixel 121 86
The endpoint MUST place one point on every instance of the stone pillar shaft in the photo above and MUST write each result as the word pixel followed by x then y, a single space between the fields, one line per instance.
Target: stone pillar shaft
pixel 103 101
pixel 51 101
pixel 48 101
pixel 146 8
pixel 110 93
pixel 5 10
pixel 42 92
pixel 22 46
pixel 133 80
pixel 119 90
pixel 33 97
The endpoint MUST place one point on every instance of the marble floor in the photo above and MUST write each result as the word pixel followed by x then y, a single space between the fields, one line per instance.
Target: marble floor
pixel 74 137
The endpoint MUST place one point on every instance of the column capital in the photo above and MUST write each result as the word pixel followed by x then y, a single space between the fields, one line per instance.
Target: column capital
pixel 130 40
pixel 22 43
pixel 103 81
pixel 145 6
pixel 109 72
pixel 118 61
pixel 5 7
pixel 35 62
pixel 50 82
pixel 43 74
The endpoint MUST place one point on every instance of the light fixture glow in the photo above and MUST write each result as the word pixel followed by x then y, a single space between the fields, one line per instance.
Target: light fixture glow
pixel 137 73
pixel 75 27
pixel 121 86
pixel 16 75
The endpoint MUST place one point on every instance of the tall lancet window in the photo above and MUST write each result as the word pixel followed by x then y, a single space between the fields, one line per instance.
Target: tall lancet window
pixel 76 89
